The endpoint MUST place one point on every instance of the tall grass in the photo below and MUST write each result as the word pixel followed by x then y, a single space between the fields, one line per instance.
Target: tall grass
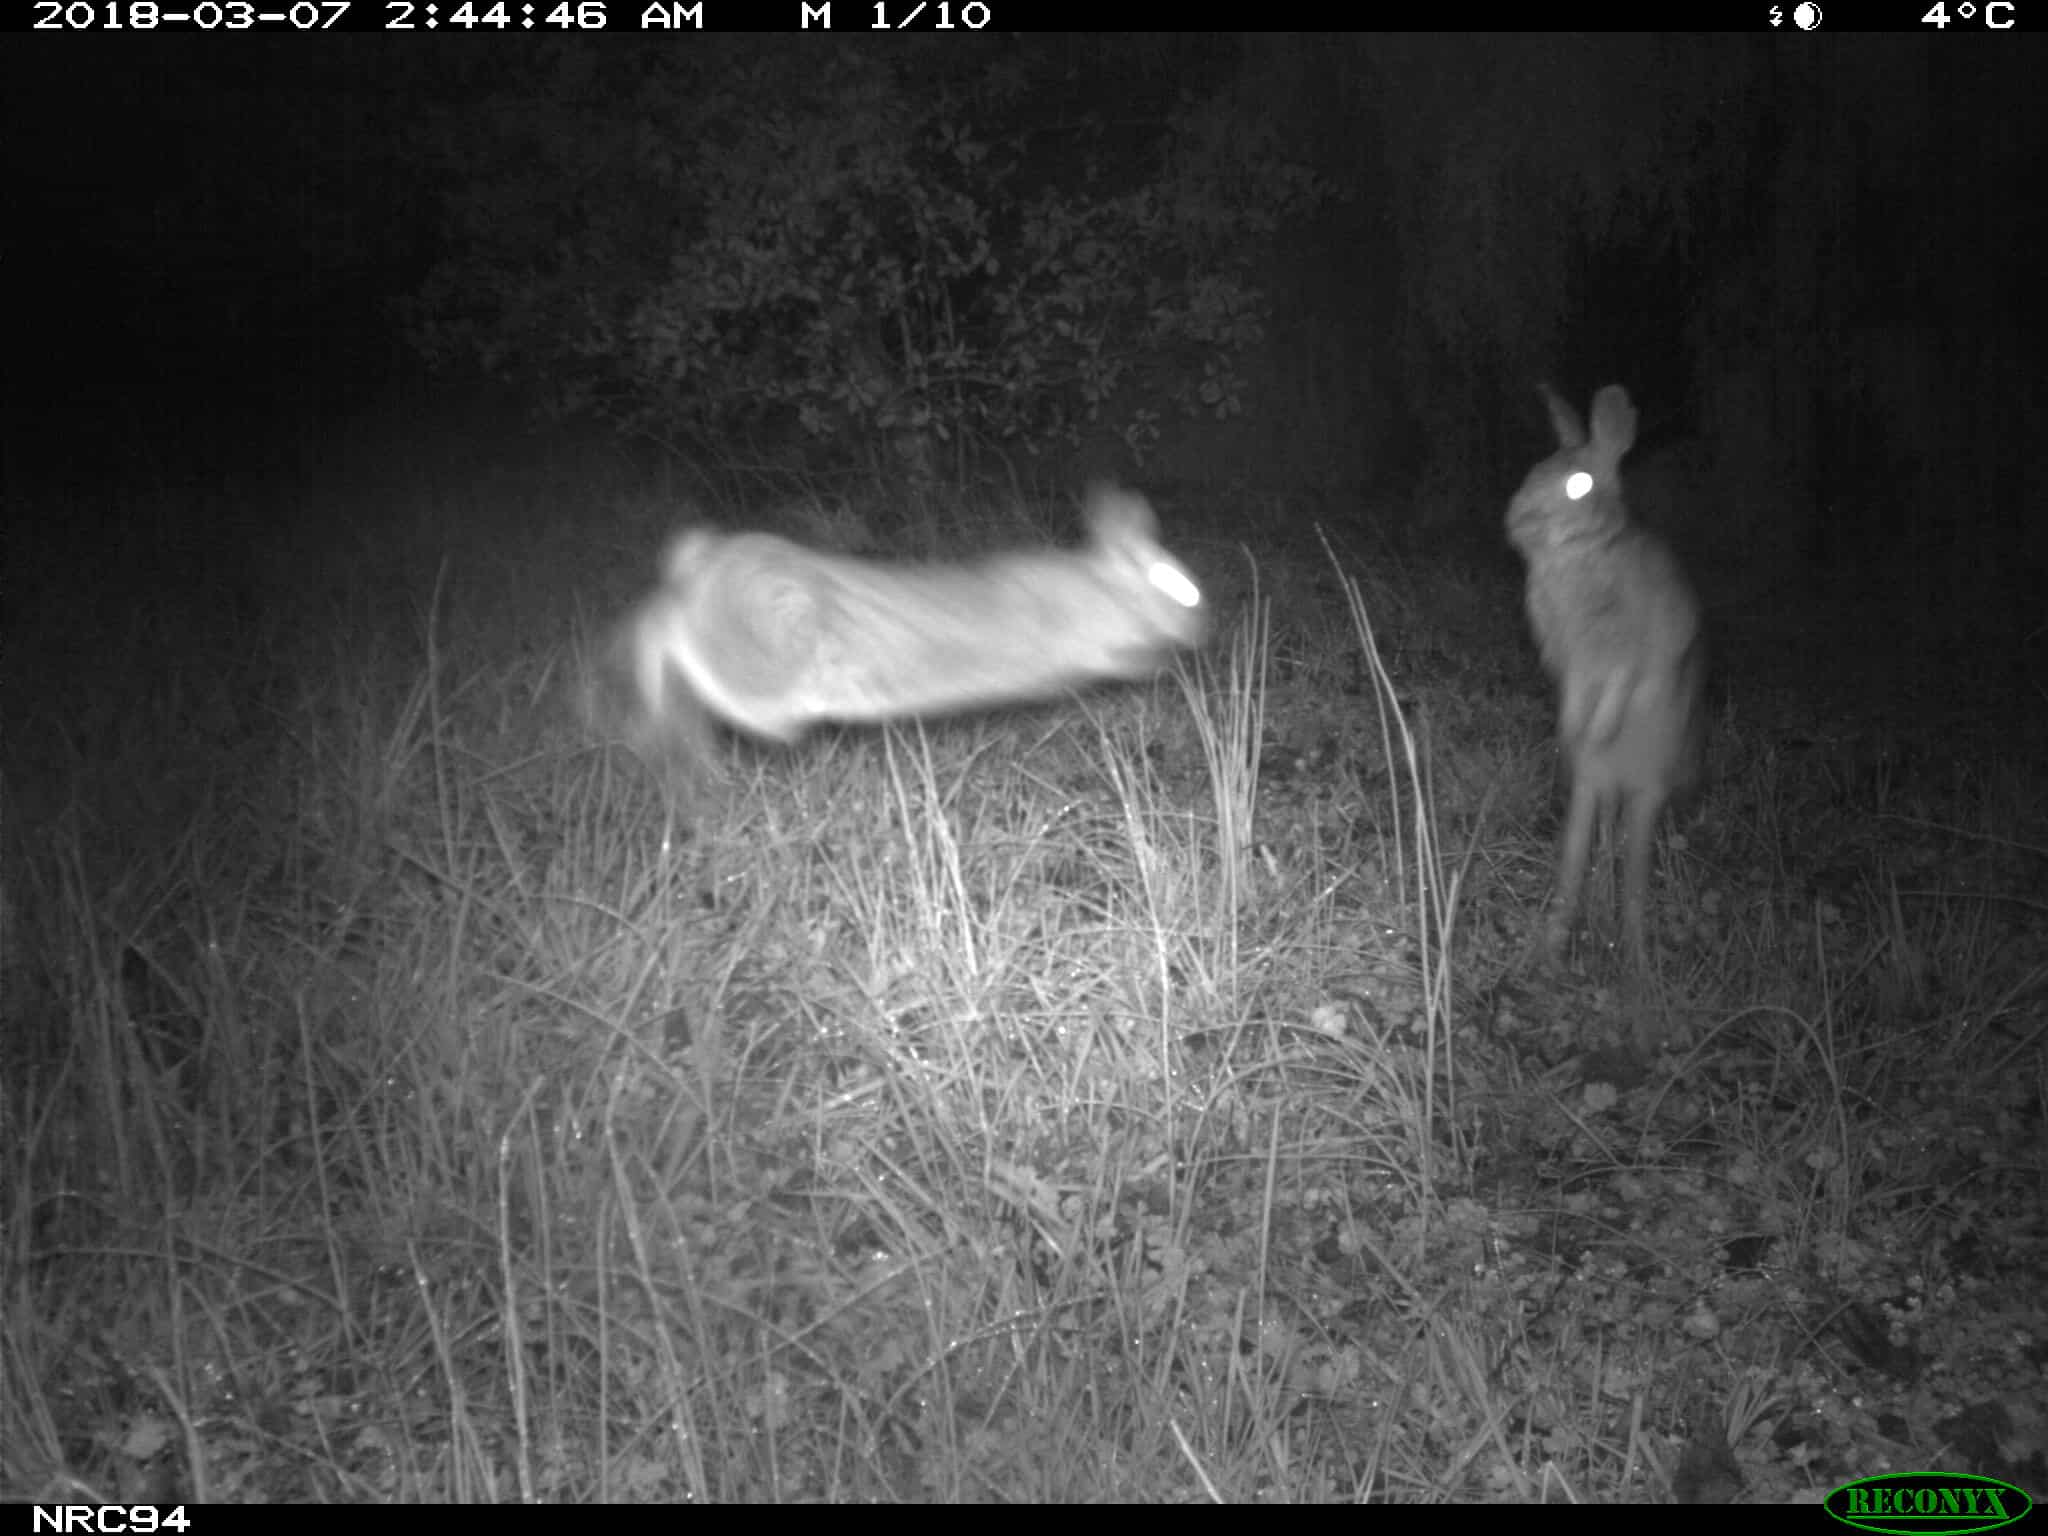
pixel 435 1114
pixel 407 1097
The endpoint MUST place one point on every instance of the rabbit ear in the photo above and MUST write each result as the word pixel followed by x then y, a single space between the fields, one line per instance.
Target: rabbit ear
pixel 1614 421
pixel 1117 516
pixel 1571 432
pixel 685 552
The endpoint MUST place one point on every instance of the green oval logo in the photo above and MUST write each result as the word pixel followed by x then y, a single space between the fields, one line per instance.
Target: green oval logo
pixel 1942 1503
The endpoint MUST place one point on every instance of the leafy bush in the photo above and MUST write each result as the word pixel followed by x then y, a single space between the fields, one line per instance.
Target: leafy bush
pixel 755 244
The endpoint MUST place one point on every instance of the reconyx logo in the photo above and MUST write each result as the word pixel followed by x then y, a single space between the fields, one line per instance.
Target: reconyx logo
pixel 1948 1503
